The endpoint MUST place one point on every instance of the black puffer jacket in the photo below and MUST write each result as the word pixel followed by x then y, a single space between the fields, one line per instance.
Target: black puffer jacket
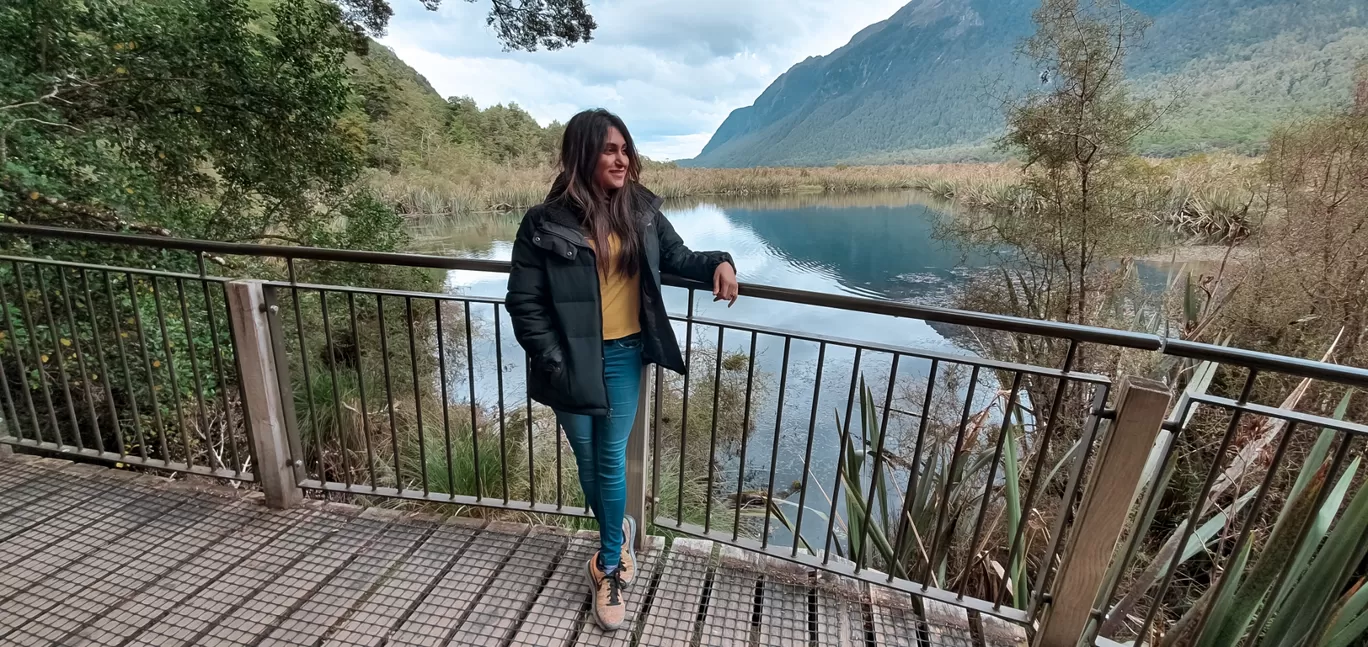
pixel 553 299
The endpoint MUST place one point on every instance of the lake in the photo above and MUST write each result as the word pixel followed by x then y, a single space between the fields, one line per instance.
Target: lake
pixel 879 246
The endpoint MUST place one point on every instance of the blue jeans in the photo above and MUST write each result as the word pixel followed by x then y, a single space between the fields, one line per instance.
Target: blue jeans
pixel 600 444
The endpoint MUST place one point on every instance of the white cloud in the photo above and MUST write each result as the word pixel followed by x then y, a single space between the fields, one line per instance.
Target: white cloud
pixel 672 70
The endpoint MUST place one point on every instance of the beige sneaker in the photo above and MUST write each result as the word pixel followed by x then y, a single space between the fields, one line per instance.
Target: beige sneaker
pixel 610 607
pixel 627 563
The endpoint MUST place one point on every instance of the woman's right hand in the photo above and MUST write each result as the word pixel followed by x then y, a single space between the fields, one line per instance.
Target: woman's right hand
pixel 725 286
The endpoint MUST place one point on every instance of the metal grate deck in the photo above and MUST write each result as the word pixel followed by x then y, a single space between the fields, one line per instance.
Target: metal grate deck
pixel 101 557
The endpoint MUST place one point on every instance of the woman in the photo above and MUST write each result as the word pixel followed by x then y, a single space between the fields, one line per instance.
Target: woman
pixel 585 298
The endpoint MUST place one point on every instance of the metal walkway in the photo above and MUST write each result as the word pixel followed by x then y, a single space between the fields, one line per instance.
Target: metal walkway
pixel 96 556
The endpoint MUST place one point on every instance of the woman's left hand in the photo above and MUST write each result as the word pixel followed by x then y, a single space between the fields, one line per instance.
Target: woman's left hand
pixel 725 287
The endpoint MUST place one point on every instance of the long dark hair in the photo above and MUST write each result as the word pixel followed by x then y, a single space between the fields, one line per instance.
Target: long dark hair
pixel 602 213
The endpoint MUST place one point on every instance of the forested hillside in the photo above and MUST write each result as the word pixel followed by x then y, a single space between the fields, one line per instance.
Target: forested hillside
pixel 928 83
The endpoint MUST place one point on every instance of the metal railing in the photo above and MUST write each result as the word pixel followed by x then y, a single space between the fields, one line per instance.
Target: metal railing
pixel 126 365
pixel 997 486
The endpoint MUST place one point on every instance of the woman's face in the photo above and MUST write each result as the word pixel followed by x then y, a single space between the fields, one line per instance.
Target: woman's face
pixel 611 173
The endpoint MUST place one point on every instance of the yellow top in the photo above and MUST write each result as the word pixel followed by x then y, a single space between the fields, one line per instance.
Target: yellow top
pixel 619 294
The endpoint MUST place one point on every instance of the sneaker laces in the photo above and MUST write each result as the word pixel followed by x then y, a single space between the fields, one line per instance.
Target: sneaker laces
pixel 614 580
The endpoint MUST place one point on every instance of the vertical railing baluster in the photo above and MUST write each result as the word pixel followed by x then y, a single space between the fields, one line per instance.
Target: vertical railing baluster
pixel 22 295
pixel 914 471
pixel 24 389
pixel 774 450
pixel 684 413
pixel 531 458
pixel 949 484
pixel 1042 451
pixel 712 435
pixel 560 481
pixel 389 391
pixel 152 385
pixel 336 392
pixel 361 393
pixel 1072 492
pixel 446 395
pixel 417 394
pixel 841 457
pixel 120 335
pixel 228 439
pixel 67 305
pixel 105 376
pixel 195 373
pixel 171 371
pixel 807 452
pixel 745 436
pixel 656 447
pixel 876 475
pixel 56 335
pixel 1003 435
pixel 304 366
pixel 503 442
pixel 474 418
pixel 12 426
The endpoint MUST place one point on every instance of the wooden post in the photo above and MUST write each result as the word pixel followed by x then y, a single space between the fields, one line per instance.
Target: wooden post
pixel 260 390
pixel 1107 500
pixel 281 361
pixel 636 459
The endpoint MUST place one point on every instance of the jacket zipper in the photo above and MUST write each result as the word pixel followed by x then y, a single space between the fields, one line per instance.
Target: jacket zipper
pixel 598 312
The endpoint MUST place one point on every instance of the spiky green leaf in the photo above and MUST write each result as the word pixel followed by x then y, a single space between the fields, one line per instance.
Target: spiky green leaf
pixel 1313 592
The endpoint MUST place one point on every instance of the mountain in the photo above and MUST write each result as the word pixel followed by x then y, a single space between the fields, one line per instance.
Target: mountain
pixel 928 83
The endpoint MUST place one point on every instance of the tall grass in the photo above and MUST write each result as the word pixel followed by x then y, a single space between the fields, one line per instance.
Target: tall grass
pixel 495 188
pixel 1203 198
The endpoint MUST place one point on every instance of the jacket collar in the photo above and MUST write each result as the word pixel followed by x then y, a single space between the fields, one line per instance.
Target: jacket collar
pixel 566 217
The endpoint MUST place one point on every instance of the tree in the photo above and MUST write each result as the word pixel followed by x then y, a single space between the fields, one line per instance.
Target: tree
pixel 509 133
pixel 1309 278
pixel 1062 257
pixel 519 24
pixel 1075 138
pixel 463 122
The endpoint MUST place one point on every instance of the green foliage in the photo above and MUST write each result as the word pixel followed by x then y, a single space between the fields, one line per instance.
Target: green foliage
pixel 1321 556
pixel 551 24
pixel 503 134
pixel 179 114
pixel 918 534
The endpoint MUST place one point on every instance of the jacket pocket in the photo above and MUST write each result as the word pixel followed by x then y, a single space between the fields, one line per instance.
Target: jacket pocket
pixel 550 370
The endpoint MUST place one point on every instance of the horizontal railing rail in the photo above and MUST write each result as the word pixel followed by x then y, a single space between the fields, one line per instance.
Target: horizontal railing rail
pixel 1348 375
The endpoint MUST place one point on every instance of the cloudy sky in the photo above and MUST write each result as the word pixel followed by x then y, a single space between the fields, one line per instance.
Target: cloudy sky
pixel 671 69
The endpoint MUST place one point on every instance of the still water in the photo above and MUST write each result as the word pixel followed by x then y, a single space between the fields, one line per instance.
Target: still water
pixel 879 246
